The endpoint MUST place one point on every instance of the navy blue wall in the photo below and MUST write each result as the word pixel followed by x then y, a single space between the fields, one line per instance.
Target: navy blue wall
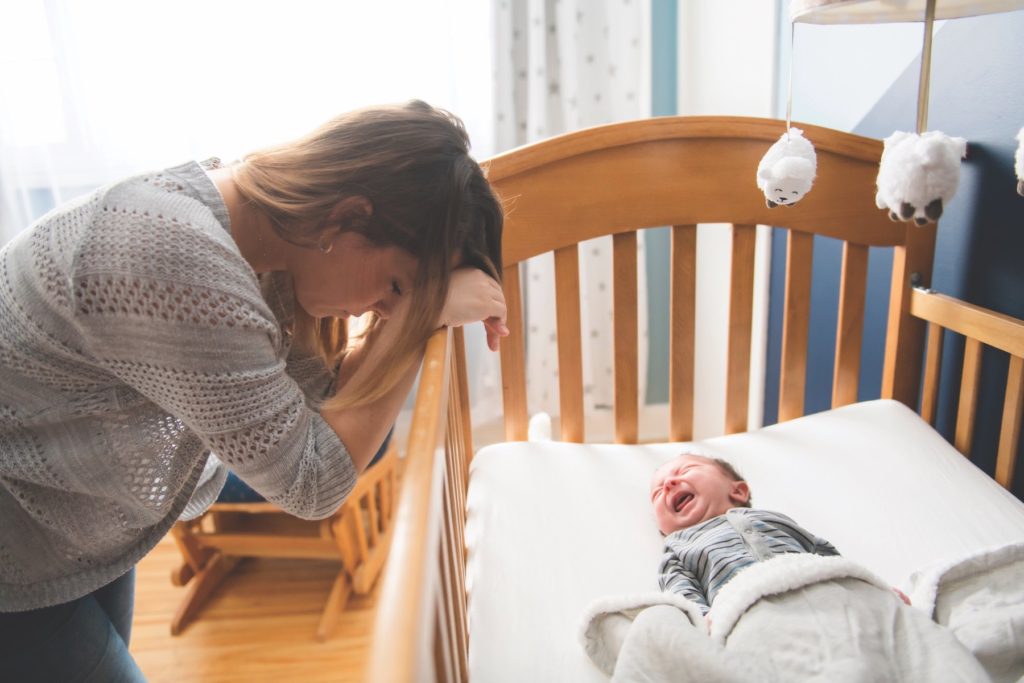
pixel 664 79
pixel 977 92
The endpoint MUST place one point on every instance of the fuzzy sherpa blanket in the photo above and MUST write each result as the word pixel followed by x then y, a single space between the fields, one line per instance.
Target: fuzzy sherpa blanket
pixel 980 598
pixel 794 617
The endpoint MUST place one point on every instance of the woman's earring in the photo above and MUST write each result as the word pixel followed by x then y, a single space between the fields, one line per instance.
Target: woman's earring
pixel 327 249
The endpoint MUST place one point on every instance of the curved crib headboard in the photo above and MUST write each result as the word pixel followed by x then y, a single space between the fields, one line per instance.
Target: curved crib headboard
pixel 681 171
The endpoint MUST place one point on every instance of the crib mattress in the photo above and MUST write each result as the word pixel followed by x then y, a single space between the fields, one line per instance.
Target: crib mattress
pixel 553 526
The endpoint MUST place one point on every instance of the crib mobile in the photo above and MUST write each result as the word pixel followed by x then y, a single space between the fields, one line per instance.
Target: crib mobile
pixel 919 172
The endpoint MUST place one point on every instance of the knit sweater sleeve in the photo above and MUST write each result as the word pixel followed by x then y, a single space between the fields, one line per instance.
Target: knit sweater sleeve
pixel 166 304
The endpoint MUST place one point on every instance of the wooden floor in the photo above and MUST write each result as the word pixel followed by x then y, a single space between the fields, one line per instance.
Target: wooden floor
pixel 259 626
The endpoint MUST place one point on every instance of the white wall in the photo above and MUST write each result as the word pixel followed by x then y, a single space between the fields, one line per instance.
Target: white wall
pixel 726 57
pixel 727 66
pixel 840 72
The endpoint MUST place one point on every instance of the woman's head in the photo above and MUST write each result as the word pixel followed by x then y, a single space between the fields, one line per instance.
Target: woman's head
pixel 394 177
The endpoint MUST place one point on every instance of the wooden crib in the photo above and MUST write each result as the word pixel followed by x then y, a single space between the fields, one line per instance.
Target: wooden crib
pixel 613 180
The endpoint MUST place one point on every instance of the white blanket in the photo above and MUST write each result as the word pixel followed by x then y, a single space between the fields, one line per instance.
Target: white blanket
pixel 980 598
pixel 794 617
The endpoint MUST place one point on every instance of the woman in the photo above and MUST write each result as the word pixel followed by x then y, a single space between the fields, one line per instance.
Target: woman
pixel 196 310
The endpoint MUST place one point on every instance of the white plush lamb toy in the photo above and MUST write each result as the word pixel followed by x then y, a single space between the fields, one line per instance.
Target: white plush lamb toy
pixel 786 171
pixel 918 175
pixel 1018 162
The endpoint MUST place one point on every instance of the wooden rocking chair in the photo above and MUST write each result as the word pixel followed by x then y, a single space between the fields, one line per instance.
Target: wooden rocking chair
pixel 358 535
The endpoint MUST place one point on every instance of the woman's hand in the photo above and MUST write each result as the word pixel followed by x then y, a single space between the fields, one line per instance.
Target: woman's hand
pixel 473 295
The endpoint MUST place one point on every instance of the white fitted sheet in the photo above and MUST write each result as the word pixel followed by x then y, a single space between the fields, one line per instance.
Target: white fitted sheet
pixel 553 526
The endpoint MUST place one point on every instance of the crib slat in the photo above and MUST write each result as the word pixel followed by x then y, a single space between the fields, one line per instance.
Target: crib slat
pixel 1009 434
pixel 444 645
pixel 932 366
pixel 513 363
pixel 453 474
pixel 968 396
pixel 447 562
pixel 682 306
pixel 453 589
pixel 796 317
pixel 904 337
pixel 850 328
pixel 456 469
pixel 461 384
pixel 624 273
pixel 570 354
pixel 741 307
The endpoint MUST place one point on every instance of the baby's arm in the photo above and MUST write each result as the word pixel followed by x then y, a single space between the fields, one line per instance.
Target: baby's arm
pixel 675 578
pixel 808 541
pixel 823 547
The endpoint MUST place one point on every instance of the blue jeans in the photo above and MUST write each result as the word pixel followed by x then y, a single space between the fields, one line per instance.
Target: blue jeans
pixel 83 641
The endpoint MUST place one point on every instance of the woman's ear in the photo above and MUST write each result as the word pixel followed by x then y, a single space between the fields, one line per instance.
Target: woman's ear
pixel 740 493
pixel 351 210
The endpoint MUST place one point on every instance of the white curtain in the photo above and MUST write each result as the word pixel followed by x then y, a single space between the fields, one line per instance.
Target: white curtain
pixel 93 91
pixel 563 65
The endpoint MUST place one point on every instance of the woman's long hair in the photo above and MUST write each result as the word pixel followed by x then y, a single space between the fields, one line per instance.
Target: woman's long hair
pixel 429 198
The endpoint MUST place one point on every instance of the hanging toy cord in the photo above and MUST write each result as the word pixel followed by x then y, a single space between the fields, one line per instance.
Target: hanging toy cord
pixel 786 171
pixel 789 87
pixel 923 84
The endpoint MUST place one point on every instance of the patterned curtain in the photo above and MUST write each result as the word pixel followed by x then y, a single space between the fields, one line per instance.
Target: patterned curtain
pixel 563 65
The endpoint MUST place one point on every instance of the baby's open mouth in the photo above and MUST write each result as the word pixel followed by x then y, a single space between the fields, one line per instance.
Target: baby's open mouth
pixel 681 499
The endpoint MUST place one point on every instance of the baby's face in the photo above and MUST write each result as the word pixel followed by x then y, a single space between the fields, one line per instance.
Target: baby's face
pixel 692 489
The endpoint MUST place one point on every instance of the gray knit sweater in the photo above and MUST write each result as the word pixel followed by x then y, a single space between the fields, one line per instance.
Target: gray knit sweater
pixel 135 340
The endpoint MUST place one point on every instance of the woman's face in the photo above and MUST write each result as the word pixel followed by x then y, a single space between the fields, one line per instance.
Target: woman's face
pixel 354 277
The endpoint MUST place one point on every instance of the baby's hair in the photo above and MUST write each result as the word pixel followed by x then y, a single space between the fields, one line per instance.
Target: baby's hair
pixel 730 471
pixel 727 469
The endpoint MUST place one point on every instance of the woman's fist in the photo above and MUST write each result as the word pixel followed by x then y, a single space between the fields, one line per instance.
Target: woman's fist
pixel 474 295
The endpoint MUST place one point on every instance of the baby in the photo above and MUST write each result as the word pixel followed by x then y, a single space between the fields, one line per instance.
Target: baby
pixel 708 503
pixel 834 622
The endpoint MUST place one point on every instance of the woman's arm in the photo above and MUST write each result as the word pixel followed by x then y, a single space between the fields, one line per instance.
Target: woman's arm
pixel 472 296
pixel 363 428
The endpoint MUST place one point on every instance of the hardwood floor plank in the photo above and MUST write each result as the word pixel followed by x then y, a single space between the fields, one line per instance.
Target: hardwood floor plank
pixel 259 625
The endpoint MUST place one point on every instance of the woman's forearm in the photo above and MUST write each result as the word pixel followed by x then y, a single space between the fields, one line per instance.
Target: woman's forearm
pixel 363 428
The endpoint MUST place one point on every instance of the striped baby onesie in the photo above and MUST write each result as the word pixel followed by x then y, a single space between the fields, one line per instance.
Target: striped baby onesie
pixel 701 559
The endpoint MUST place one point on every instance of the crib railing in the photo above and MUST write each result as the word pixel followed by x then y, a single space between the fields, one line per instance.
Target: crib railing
pixel 420 631
pixel 981 328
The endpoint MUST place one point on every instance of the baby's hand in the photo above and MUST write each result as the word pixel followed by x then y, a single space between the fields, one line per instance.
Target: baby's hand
pixel 901 594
